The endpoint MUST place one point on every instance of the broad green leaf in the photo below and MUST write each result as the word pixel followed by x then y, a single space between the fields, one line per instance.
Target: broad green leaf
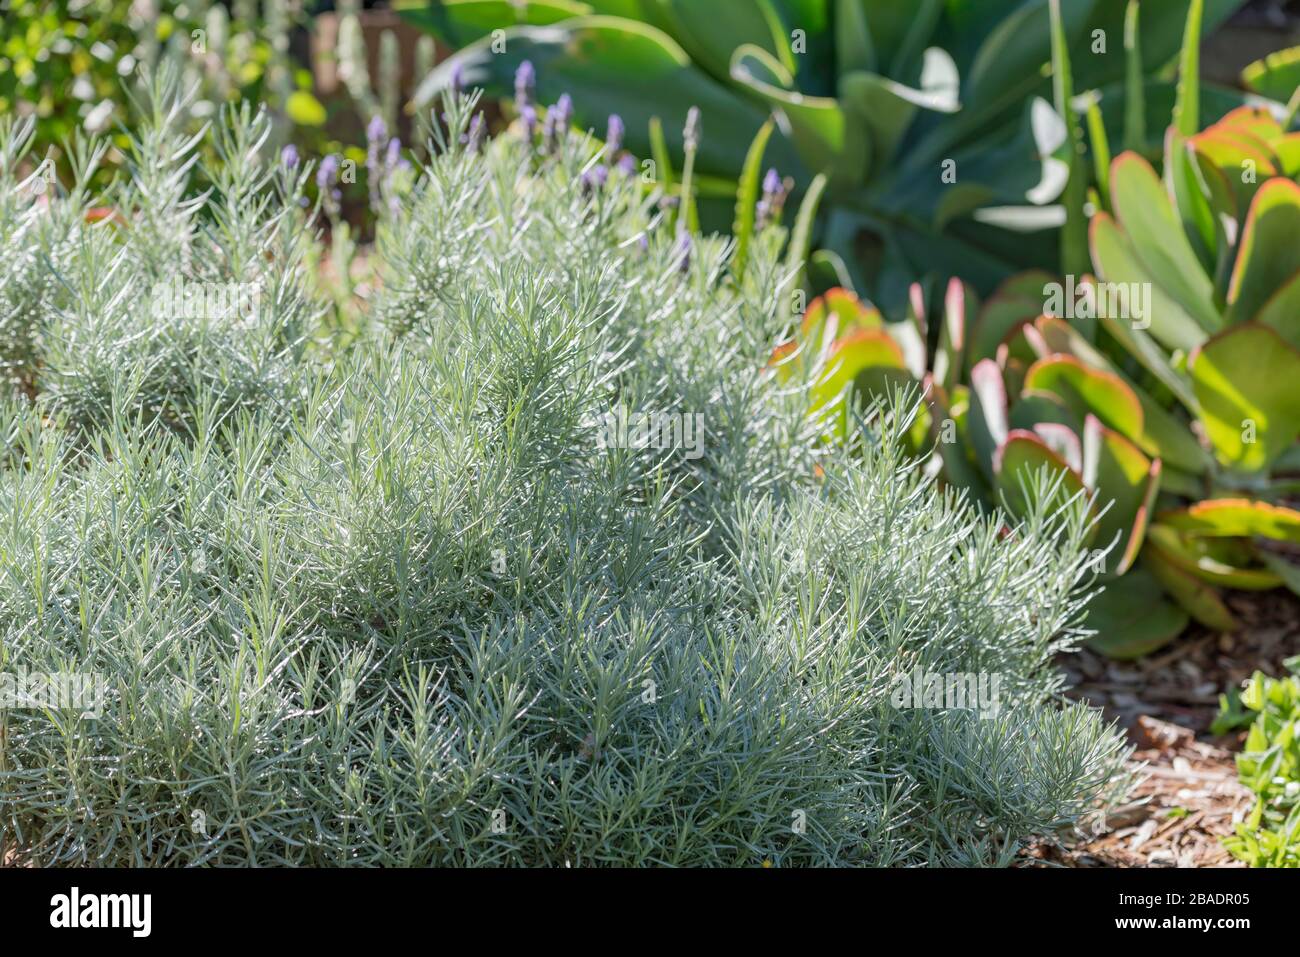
pixel 1085 389
pixel 1118 262
pixel 1281 312
pixel 1131 618
pixel 822 134
pixel 1270 249
pixel 987 421
pixel 1199 599
pixel 1276 76
pixel 855 48
pixel 1236 518
pixel 1247 382
pixel 459 23
pixel 1230 563
pixel 711 32
pixel 1143 209
pixel 1120 476
pixel 1019 459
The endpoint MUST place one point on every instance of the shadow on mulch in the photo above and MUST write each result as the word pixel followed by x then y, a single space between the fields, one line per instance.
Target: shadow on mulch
pixel 1190 796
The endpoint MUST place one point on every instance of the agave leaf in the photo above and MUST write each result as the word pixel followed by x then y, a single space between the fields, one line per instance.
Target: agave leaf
pixel 1131 618
pixel 855 48
pixel 1247 382
pixel 458 23
pixel 711 32
pixel 887 107
pixel 612 65
pixel 825 138
pixel 1199 599
pixel 1270 253
pixel 1085 389
pixel 1143 209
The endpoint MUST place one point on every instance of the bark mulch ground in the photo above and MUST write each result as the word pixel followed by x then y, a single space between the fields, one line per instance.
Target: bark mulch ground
pixel 1190 796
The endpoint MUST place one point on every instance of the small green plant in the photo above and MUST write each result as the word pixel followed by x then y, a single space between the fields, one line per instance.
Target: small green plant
pixel 433 592
pixel 1269 765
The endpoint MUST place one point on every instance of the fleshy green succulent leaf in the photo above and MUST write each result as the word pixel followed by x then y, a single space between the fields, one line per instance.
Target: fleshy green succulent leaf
pixel 1227 562
pixel 987 419
pixel 887 107
pixel 1276 76
pixel 1131 618
pixel 747 199
pixel 1269 255
pixel 868 360
pixel 1281 312
pixel 1200 600
pixel 1284 568
pixel 1086 389
pixel 1117 261
pixel 1120 476
pixel 1016 302
pixel 1236 518
pixel 1143 209
pixel 1247 382
pixel 1015 464
pixel 959 303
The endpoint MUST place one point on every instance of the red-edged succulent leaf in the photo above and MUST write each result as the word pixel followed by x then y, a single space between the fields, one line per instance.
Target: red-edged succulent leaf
pixel 1269 254
pixel 1017 462
pixel 1132 618
pixel 1088 390
pixel 1247 383
pixel 1124 483
pixel 1236 518
pixel 1231 563
pixel 987 418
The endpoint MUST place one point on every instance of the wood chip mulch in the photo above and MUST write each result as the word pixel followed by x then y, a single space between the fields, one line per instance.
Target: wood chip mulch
pixel 1190 796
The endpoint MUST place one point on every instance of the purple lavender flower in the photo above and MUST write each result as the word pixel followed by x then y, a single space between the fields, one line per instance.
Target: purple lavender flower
pixel 289 156
pixel 614 135
pixel 627 164
pixel 525 80
pixel 564 110
pixel 327 177
pixel 458 79
pixel 393 158
pixel 528 117
pixel 594 178
pixel 376 129
pixel 775 192
pixel 682 248
pixel 475 135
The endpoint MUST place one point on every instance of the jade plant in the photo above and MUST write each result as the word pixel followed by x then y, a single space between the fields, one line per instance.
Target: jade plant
pixel 936 124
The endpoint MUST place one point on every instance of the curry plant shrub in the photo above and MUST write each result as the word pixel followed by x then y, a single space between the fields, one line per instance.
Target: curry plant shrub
pixel 410 598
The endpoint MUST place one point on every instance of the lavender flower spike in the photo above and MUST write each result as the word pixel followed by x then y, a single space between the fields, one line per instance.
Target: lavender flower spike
pixel 525 80
pixel 458 79
pixel 289 156
pixel 614 135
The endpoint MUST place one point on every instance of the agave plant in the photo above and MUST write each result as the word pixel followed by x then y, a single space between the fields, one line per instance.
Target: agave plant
pixel 935 123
